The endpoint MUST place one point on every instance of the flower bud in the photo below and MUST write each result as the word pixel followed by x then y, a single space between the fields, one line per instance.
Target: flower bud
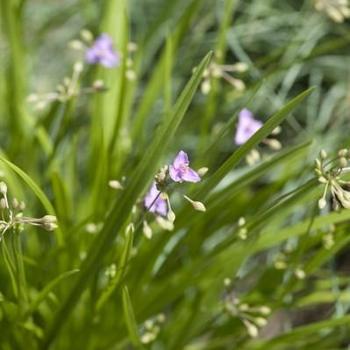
pixel 240 67
pixel 147 231
pixel 86 35
pixel 265 310
pixel 3 203
pixel 323 154
pixel 196 204
pixel 343 162
pixel 343 152
pixel 299 273
pixel 202 171
pixel 322 203
pixel 322 180
pixel 171 215
pixel 3 188
pixel 76 45
pixel 205 87
pixel 115 184
pixel 78 67
pixel 251 328
pixel 260 321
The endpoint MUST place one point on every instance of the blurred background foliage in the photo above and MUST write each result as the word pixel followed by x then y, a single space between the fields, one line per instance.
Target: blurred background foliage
pixel 295 260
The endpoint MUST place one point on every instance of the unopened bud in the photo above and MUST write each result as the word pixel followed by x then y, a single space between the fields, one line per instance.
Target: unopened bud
pixel 240 67
pixel 265 310
pixel 322 180
pixel 98 84
pixel 76 45
pixel 3 188
pixel 147 231
pixel 115 184
pixel 276 130
pixel 323 154
pixel 78 67
pixel 15 203
pixel 86 35
pixel 227 282
pixel 242 233
pixel 251 328
pixel 260 321
pixel 171 216
pixel 196 204
pixel 299 273
pixel 202 171
pixel 343 152
pixel 322 203
pixel 3 203
pixel 132 47
pixel 161 318
pixel 274 144
pixel 343 162
pixel 165 224
pixel 130 228
pixel 241 221
pixel 205 86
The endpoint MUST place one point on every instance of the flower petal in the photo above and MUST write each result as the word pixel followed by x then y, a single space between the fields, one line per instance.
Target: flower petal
pixel 181 159
pixel 190 176
pixel 247 126
pixel 175 174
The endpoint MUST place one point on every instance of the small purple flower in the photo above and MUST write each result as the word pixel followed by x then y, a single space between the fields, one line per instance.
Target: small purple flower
pixel 180 171
pixel 154 202
pixel 247 126
pixel 102 52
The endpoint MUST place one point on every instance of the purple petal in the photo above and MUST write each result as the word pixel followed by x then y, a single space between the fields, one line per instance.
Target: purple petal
pixel 191 176
pixel 154 203
pixel 151 195
pixel 90 56
pixel 175 174
pixel 102 52
pixel 181 159
pixel 247 126
pixel 161 207
pixel 110 60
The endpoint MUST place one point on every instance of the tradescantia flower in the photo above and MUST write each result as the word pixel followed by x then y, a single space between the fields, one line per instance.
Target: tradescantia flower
pixel 102 52
pixel 180 171
pixel 154 202
pixel 247 126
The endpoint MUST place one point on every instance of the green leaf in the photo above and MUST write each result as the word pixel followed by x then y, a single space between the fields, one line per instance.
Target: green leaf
pixel 130 319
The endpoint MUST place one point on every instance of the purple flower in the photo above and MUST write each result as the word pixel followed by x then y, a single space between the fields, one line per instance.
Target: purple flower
pixel 102 52
pixel 154 202
pixel 247 126
pixel 180 171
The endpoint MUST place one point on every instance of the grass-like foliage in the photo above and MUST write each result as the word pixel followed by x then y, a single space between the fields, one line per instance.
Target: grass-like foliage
pixel 174 174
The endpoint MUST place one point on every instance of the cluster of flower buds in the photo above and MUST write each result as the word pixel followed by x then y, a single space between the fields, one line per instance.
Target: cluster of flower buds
pixel 151 329
pixel 157 199
pixel 331 174
pixel 328 238
pixel 337 10
pixel 252 317
pixel 215 71
pixel 69 88
pixel 12 214
pixel 242 229
pixel 281 263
